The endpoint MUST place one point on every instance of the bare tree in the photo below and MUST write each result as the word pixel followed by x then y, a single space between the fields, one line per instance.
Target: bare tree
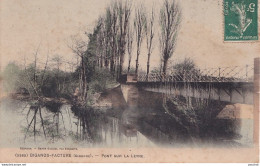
pixel 57 59
pixel 45 68
pixel 114 31
pixel 130 38
pixel 124 12
pixel 35 65
pixel 139 25
pixel 149 31
pixel 170 18
pixel 79 47
pixel 31 80
pixel 100 50
pixel 108 36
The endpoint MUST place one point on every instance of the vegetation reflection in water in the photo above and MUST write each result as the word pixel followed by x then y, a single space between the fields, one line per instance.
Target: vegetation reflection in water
pixel 86 127
pixel 170 121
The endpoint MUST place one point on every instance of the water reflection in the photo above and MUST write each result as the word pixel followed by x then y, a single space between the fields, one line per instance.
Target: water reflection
pixel 153 120
pixel 54 123
pixel 44 120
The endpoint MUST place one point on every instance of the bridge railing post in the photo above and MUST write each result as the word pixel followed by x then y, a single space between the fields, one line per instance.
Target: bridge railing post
pixel 256 99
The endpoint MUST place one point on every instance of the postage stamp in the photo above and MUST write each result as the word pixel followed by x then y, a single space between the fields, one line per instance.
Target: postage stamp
pixel 240 20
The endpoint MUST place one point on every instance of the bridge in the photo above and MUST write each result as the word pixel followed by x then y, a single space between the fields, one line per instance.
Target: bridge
pixel 229 84
pixel 232 85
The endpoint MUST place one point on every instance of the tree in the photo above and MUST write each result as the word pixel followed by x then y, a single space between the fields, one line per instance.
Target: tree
pixel 130 38
pixel 186 65
pixel 170 19
pixel 139 25
pixel 124 12
pixel 108 36
pixel 149 31
pixel 186 68
pixel 114 31
pixel 32 75
pixel 79 47
pixel 57 59
pixel 100 50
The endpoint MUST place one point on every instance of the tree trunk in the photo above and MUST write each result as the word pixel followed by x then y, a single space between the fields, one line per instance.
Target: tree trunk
pixel 137 61
pixel 112 65
pixel 129 62
pixel 148 65
pixel 101 61
pixel 106 63
pixel 122 60
pixel 117 67
pixel 97 62
pixel 136 67
pixel 165 63
pixel 85 85
pixel 120 65
pixel 81 78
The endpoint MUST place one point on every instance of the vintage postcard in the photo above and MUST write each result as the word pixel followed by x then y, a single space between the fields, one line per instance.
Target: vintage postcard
pixel 162 81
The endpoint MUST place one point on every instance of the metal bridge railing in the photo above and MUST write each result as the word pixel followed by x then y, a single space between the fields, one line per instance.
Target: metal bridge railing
pixel 225 74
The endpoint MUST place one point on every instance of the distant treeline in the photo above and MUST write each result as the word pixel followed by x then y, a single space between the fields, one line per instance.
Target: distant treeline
pixel 50 82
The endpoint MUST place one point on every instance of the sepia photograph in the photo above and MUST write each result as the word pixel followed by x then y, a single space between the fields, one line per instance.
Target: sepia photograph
pixel 162 81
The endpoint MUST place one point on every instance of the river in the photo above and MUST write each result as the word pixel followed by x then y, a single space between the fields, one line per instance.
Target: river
pixel 145 124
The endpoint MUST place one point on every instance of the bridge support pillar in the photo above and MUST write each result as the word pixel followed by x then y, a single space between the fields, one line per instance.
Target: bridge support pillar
pixel 239 117
pixel 256 99
pixel 130 93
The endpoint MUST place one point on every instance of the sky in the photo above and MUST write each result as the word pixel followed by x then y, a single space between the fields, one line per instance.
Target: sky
pixel 26 24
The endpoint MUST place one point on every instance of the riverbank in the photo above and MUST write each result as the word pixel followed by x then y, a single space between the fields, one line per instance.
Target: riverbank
pixel 25 97
pixel 98 100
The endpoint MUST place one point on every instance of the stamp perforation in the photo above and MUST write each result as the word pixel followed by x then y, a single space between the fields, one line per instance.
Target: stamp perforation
pixel 239 21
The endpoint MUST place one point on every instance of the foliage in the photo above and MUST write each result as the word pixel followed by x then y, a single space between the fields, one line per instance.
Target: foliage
pixel 186 69
pixel 48 83
pixel 155 71
pixel 186 65
pixel 101 80
pixel 60 84
pixel 10 75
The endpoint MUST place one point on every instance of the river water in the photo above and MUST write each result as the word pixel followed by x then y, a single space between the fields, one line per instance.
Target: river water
pixel 145 124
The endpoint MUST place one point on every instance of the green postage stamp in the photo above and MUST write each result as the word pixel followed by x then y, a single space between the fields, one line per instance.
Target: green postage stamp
pixel 240 17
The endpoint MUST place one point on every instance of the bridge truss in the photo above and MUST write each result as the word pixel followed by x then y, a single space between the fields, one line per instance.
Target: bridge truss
pixel 224 74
